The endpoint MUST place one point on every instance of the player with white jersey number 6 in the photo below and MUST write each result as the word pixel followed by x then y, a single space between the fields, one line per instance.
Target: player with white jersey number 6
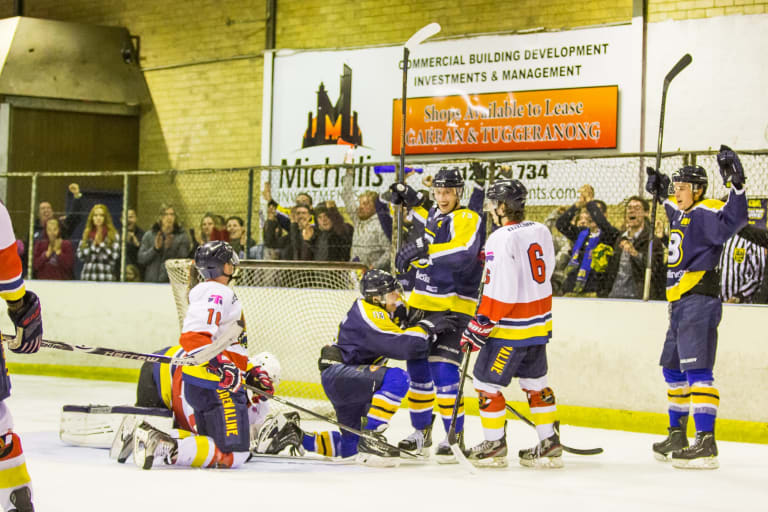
pixel 511 329
pixel 698 229
pixel 24 311
pixel 215 390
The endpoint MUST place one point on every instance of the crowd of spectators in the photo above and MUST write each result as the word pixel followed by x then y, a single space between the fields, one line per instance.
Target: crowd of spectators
pixel 595 257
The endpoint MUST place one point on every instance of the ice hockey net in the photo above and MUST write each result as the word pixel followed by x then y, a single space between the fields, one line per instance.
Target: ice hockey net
pixel 292 309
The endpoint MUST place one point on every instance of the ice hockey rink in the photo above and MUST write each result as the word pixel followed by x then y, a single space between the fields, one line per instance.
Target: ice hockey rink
pixel 626 477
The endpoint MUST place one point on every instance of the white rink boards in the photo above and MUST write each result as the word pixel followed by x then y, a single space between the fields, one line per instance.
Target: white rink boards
pixel 626 477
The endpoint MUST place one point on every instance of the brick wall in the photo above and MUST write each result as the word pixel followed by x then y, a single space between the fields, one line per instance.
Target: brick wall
pixel 662 10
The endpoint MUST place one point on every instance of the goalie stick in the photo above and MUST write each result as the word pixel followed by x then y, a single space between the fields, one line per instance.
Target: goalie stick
pixel 676 69
pixel 361 433
pixel 202 356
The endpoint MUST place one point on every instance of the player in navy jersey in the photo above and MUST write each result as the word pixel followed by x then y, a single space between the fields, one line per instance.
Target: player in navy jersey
pixel 448 273
pixel 698 229
pixel 354 372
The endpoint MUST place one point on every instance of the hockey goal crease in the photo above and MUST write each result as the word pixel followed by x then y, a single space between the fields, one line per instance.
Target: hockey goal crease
pixel 292 309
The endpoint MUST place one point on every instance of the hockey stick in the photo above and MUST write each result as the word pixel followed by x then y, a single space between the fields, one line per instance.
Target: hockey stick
pixel 202 356
pixel 453 441
pixel 681 64
pixel 419 37
pixel 575 451
pixel 361 433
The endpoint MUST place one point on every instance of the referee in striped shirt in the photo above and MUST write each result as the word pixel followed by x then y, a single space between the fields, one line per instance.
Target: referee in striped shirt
pixel 742 267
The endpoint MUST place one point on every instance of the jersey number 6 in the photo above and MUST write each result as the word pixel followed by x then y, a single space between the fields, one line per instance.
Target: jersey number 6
pixel 538 267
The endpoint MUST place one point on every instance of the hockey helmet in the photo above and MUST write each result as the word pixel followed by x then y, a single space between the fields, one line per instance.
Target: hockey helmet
pixel 270 364
pixel 448 177
pixel 512 193
pixel 693 174
pixel 211 257
pixel 377 283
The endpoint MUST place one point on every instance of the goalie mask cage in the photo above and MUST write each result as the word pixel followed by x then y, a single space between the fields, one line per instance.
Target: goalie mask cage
pixel 292 309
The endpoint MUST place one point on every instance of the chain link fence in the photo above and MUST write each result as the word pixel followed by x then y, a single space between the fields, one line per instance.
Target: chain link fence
pixel 225 193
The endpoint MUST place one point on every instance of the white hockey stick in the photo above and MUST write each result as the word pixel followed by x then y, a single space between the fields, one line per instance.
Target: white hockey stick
pixel 202 356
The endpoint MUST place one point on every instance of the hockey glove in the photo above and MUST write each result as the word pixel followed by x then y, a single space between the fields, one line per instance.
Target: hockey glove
pixel 730 167
pixel 657 184
pixel 405 194
pixel 476 334
pixel 438 323
pixel 25 314
pixel 409 253
pixel 229 374
pixel 260 379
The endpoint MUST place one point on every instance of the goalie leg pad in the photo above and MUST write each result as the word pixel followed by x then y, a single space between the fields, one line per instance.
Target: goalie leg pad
pixel 96 425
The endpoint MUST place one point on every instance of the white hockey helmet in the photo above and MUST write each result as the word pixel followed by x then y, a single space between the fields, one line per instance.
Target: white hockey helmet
pixel 269 362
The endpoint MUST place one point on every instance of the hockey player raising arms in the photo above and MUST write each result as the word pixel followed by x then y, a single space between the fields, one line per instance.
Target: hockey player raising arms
pixel 512 327
pixel 353 373
pixel 214 391
pixel 698 229
pixel 24 310
pixel 448 274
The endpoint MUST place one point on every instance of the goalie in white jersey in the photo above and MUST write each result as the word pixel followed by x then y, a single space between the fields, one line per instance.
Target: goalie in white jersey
pixel 511 328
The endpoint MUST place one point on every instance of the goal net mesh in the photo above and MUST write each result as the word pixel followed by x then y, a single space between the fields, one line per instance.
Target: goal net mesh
pixel 292 309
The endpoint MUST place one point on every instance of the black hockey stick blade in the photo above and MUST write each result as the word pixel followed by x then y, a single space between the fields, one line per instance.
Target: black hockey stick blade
pixel 681 65
pixel 453 438
pixel 575 451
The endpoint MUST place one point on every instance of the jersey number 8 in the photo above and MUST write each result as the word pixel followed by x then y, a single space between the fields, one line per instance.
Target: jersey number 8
pixel 538 267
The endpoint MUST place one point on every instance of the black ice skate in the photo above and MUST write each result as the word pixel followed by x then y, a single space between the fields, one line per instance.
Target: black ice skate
pixel 547 454
pixel 21 499
pixel 376 452
pixel 489 454
pixel 676 440
pixel 702 454
pixel 418 441
pixel 149 443
pixel 279 432
pixel 443 453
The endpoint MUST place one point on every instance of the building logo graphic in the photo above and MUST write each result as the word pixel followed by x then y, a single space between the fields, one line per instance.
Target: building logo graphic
pixel 334 124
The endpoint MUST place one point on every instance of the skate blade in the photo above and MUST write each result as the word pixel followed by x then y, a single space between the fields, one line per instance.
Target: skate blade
pixel 701 463
pixel 543 463
pixel 490 462
pixel 661 457
pixel 122 444
pixel 376 461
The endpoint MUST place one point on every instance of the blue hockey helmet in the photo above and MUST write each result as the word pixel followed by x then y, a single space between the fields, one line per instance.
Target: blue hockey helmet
pixel 693 174
pixel 377 283
pixel 448 177
pixel 511 193
pixel 211 257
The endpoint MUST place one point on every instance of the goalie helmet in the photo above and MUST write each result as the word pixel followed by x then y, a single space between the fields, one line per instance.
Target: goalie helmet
pixel 211 257
pixel 376 284
pixel 511 193
pixel 693 174
pixel 269 363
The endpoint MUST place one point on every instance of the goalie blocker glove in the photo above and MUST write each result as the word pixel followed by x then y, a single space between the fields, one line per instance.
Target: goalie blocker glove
pixel 657 184
pixel 476 334
pixel 228 373
pixel 405 194
pixel 730 167
pixel 411 252
pixel 25 314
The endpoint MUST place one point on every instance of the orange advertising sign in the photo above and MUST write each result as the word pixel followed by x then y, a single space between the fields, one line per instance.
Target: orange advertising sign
pixel 579 118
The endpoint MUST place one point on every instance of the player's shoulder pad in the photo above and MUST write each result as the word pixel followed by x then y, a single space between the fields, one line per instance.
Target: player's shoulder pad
pixel 376 316
pixel 713 205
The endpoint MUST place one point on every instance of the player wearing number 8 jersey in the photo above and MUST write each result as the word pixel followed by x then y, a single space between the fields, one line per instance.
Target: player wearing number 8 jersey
pixel 698 229
pixel 511 328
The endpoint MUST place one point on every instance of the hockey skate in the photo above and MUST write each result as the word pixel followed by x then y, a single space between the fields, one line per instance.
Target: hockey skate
pixel 279 432
pixel 150 443
pixel 375 452
pixel 419 441
pixel 489 454
pixel 702 454
pixel 122 444
pixel 21 499
pixel 443 453
pixel 676 440
pixel 547 454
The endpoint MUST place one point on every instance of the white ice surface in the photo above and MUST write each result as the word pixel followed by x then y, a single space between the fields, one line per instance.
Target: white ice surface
pixel 625 478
